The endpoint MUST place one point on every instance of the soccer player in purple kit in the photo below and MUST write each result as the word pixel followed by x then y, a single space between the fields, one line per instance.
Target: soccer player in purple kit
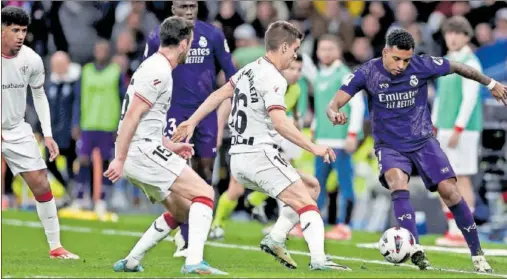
pixel 194 81
pixel 397 88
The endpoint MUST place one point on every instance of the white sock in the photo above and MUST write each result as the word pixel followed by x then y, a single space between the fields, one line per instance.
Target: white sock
pixel 313 231
pixel 281 204
pixel 155 233
pixel 199 223
pixel 49 219
pixel 287 219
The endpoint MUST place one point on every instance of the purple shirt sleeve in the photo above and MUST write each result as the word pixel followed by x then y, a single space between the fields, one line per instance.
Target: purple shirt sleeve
pixel 435 66
pixel 152 43
pixel 223 55
pixel 354 83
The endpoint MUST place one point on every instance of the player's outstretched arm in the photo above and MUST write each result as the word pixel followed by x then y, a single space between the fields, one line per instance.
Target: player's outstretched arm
pixel 340 99
pixel 498 90
pixel 186 128
pixel 286 128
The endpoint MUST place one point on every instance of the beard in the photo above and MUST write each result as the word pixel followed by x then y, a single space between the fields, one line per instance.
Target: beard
pixel 182 58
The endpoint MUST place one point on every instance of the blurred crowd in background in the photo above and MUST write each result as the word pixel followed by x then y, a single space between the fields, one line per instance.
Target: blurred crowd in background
pixel 69 34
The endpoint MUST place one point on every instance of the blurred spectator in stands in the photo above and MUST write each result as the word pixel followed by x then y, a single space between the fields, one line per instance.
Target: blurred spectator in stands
pixel 101 92
pixel 370 29
pixel 248 47
pixel 485 12
pixel 421 46
pixel 266 14
pixel 78 19
pixel 361 51
pixel 484 34
pixel 460 8
pixel 500 32
pixel 217 24
pixel 61 90
pixel 382 12
pixel 133 25
pixel 340 23
pixel 406 15
pixel 147 20
pixel 250 9
pixel 122 61
pixel 230 19
pixel 125 46
pixel 318 27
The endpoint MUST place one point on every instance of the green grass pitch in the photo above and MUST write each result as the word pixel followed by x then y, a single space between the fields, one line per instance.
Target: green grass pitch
pixel 25 253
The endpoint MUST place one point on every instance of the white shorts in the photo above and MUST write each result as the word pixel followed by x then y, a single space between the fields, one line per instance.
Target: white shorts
pixel 463 158
pixel 290 151
pixel 153 168
pixel 22 154
pixel 264 171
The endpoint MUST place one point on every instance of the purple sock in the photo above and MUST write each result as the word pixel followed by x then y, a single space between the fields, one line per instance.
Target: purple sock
pixel 466 223
pixel 82 181
pixel 184 231
pixel 404 212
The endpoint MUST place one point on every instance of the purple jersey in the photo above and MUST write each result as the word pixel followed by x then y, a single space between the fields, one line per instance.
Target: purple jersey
pixel 195 80
pixel 398 107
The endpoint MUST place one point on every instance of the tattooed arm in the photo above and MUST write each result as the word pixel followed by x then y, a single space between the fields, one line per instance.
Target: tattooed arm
pixel 469 72
pixel 498 90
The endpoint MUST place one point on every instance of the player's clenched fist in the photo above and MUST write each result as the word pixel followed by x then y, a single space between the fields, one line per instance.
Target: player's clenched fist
pixel 337 118
pixel 184 130
pixel 325 152
pixel 115 170
pixel 52 147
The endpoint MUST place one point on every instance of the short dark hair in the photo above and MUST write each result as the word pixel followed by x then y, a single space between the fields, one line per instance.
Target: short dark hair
pixel 400 38
pixel 458 24
pixel 175 29
pixel 280 32
pixel 15 15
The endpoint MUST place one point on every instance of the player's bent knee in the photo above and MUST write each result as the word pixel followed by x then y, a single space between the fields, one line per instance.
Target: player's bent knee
pixel 190 185
pixel 296 196
pixel 396 179
pixel 449 192
pixel 178 207
pixel 312 185
pixel 37 182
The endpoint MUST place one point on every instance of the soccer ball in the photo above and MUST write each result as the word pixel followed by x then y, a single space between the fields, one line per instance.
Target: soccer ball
pixel 396 245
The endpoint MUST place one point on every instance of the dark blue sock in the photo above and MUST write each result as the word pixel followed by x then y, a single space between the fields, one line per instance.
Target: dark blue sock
pixel 466 223
pixel 404 212
pixel 184 231
pixel 82 181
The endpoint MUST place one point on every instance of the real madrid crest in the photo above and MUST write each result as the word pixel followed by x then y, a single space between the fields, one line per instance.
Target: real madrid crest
pixel 414 81
pixel 203 42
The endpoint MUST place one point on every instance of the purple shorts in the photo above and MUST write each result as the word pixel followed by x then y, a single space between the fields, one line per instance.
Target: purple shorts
pixel 205 134
pixel 429 162
pixel 96 139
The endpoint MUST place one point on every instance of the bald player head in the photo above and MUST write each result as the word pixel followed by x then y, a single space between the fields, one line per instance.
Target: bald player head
pixel 60 62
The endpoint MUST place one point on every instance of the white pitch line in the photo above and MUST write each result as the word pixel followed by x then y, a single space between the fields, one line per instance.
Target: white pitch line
pixel 32 224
